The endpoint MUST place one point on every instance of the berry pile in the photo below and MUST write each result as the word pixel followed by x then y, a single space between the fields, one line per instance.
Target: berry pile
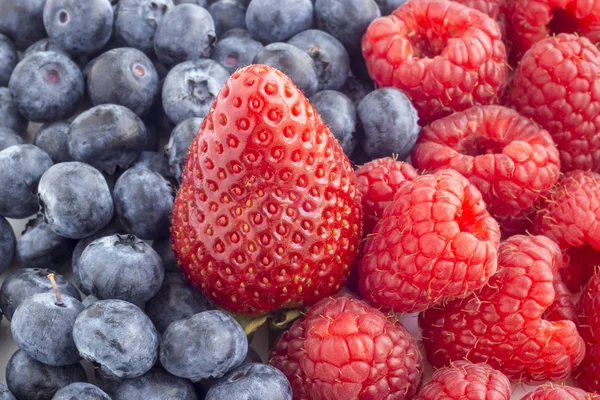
pixel 205 185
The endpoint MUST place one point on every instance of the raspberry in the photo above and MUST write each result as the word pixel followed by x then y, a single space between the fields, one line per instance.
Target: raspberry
pixel 534 20
pixel 346 350
pixel 464 380
pixel 571 218
pixel 563 307
pixel 588 375
pixel 443 55
pixel 502 324
pixel 496 9
pixel 557 84
pixel 508 158
pixel 377 182
pixel 435 241
pixel 560 393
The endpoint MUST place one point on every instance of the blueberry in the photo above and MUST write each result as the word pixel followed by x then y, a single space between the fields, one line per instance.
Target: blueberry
pixel 179 143
pixel 5 394
pixel 157 117
pixel 123 76
pixel 137 20
pixel 390 123
pixel 8 59
pixel 278 20
pixel 143 202
pixel 107 137
pixel 8 138
pixel 44 45
pixel 42 326
pixel 47 86
pixel 252 382
pixel 236 32
pixel 234 52
pixel 339 113
pixel 191 87
pixel 164 249
pixel 227 14
pixel 53 139
pixel 389 6
pixel 154 161
pixel 155 385
pixel 21 168
pixel 117 337
pixel 176 300
pixel 153 136
pixel 106 381
pixel 29 379
pixel 332 62
pixel 356 89
pixel 80 247
pixel 80 391
pixel 78 28
pixel 9 116
pixel 293 62
pixel 333 16
pixel 187 32
pixel 22 21
pixel 40 247
pixel 208 344
pixel 7 245
pixel 201 3
pixel 121 267
pixel 76 201
pixel 27 282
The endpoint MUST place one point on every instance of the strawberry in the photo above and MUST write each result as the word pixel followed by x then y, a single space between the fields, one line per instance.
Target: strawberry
pixel 267 216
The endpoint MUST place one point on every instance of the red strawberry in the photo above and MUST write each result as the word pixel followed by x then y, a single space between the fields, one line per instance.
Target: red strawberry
pixel 346 350
pixel 464 380
pixel 267 215
pixel 502 324
pixel 434 242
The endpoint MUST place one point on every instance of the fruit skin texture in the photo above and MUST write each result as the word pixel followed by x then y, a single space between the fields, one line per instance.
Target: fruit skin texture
pixel 502 324
pixel 462 63
pixel 343 349
pixel 464 380
pixel 556 85
pixel 532 21
pixel 434 242
pixel 267 215
pixel 588 375
pixel 560 393
pixel 506 156
pixel 570 218
pixel 377 181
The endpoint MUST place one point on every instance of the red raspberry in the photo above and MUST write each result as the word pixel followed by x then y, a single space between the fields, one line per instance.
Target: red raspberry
pixel 557 84
pixel 502 324
pixel 435 241
pixel 443 55
pixel 346 350
pixel 571 217
pixel 534 20
pixel 560 393
pixel 495 9
pixel 267 215
pixel 563 307
pixel 508 158
pixel 464 380
pixel 588 375
pixel 377 182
